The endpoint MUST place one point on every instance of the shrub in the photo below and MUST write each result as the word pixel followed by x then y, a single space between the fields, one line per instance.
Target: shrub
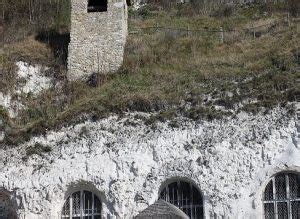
pixel 293 7
pixel 226 10
pixel 37 149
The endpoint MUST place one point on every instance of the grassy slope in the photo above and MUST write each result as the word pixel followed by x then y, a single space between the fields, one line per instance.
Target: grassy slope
pixel 193 75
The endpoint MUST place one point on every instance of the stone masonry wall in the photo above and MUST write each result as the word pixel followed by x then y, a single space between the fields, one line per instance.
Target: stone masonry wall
pixel 126 163
pixel 97 39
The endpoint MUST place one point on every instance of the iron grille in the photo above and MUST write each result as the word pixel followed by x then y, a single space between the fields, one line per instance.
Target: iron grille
pixel 269 211
pixel 282 197
pixel 295 209
pixel 282 210
pixel 294 185
pixel 82 205
pixel 66 208
pixel 280 186
pixel 76 204
pixel 186 197
pixel 269 192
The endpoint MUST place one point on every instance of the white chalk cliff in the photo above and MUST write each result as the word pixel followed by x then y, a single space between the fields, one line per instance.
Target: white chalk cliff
pixel 126 162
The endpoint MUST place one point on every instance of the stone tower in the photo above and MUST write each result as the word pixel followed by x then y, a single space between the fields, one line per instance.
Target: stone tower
pixel 98 37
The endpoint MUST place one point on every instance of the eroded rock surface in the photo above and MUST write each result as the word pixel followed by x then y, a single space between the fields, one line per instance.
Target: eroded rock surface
pixel 30 80
pixel 127 162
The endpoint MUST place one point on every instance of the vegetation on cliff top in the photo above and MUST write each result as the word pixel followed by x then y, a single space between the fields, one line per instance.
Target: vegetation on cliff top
pixel 171 71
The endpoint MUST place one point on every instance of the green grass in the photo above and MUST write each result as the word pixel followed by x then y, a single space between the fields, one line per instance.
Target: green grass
pixel 186 16
pixel 31 51
pixel 189 75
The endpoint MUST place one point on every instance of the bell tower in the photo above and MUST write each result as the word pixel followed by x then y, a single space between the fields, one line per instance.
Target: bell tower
pixel 98 37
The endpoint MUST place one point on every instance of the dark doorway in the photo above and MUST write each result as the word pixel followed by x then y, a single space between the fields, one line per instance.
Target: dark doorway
pixel 97 5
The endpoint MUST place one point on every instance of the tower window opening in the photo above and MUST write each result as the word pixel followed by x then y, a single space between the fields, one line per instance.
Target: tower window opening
pixel 128 2
pixel 97 5
pixel 282 197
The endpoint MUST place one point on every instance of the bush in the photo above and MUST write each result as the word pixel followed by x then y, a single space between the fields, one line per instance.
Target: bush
pixel 37 149
pixel 293 7
pixel 28 17
pixel 224 11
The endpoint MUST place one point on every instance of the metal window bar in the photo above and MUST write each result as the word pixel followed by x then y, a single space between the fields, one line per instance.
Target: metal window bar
pixel 275 197
pixel 81 197
pixel 192 200
pixel 289 209
pixel 71 206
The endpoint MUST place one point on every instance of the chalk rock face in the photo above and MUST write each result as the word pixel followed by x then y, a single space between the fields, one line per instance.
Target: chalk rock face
pixel 32 80
pixel 126 163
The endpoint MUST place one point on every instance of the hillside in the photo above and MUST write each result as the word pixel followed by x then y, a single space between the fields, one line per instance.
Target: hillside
pixel 179 107
pixel 177 63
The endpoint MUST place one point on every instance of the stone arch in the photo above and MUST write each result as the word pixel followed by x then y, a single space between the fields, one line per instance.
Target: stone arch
pixel 7 209
pixel 184 194
pixel 89 199
pixel 181 178
pixel 281 195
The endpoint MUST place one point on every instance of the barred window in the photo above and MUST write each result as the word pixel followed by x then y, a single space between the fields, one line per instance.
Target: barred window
pixel 186 197
pixel 82 205
pixel 282 197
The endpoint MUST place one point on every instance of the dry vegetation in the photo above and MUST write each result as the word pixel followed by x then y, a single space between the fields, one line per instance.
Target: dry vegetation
pixel 194 75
